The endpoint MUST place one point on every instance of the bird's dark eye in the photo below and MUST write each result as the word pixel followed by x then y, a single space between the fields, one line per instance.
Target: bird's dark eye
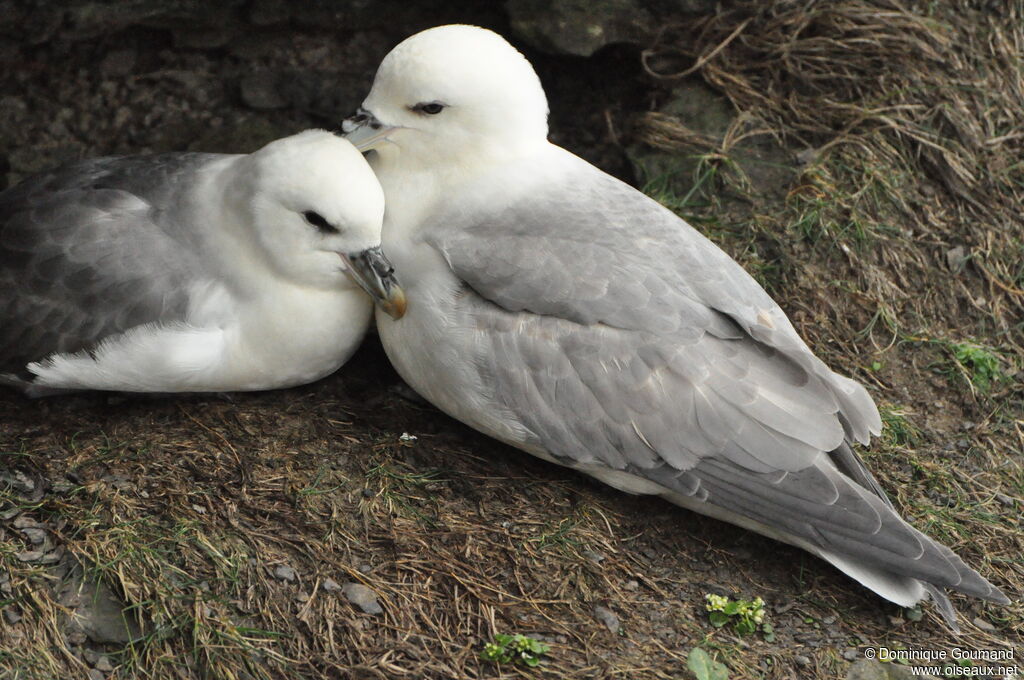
pixel 431 108
pixel 318 221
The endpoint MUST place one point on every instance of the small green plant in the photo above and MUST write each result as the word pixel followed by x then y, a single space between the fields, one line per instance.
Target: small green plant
pixel 515 649
pixel 898 431
pixel 746 616
pixel 704 667
pixel 980 365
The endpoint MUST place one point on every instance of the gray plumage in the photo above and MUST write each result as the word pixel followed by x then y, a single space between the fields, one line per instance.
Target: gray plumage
pixel 563 312
pixel 91 250
pixel 619 337
pixel 191 272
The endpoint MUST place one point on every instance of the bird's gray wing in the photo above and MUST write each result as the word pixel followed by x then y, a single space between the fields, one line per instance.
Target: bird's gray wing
pixel 620 337
pixel 91 250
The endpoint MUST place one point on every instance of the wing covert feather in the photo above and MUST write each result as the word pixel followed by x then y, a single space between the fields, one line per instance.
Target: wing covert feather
pixel 90 250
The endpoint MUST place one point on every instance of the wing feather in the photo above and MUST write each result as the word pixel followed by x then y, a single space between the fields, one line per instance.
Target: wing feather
pixel 90 250
pixel 621 338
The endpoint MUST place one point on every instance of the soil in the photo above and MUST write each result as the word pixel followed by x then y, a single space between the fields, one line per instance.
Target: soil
pixel 221 518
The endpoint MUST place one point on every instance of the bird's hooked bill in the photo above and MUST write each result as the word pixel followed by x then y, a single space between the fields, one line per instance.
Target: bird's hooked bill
pixel 365 131
pixel 372 271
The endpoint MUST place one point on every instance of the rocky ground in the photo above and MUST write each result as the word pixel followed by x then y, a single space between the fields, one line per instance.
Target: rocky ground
pixel 860 158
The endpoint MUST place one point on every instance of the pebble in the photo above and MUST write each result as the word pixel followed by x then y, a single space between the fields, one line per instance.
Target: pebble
pixel 103 664
pixel 851 655
pixel 11 616
pixel 802 660
pixel 368 493
pixel 285 573
pixel 607 617
pixel 330 585
pixel 260 91
pixel 76 636
pixel 808 639
pixel 94 674
pixel 19 480
pixel 632 585
pixel 118 63
pixel 35 536
pixel 984 625
pixel 593 556
pixel 25 522
pixel 363 597
pixel 365 568
pixel 1005 500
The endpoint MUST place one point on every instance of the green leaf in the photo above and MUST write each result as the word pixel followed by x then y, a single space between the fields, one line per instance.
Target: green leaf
pixel 718 619
pixel 704 667
pixel 745 627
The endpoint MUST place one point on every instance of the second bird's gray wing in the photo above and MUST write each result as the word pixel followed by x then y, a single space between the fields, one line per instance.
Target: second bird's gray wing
pixel 93 249
pixel 621 337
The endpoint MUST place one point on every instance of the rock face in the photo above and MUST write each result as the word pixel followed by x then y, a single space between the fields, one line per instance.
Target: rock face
pixel 581 27
pixel 870 669
pixel 96 611
pixel 696 121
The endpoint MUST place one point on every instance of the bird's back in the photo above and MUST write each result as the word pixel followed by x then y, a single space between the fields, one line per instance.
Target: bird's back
pixel 92 249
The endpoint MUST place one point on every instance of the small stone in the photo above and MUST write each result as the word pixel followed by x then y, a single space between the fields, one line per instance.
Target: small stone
pixel 283 572
pixel 363 597
pixel 90 656
pixel 29 555
pixel 26 522
pixel 368 493
pixel 118 63
pixel 330 585
pixel 103 664
pixel 607 617
pixel 61 487
pixel 828 620
pixel 269 12
pixel 593 556
pixel 956 258
pixel 851 655
pixel 802 660
pixel 1005 500
pixel 873 669
pixel 302 597
pixel 11 616
pixel 76 636
pixel 19 481
pixel 632 585
pixel 94 674
pixel 35 536
pixel 984 625
pixel 807 156
pixel 365 568
pixel 53 556
pixel 260 91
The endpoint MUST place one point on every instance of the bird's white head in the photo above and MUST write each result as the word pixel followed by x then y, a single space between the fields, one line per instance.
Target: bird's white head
pixel 451 94
pixel 316 210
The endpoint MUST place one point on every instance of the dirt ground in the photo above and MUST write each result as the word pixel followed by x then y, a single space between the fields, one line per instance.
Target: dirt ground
pixel 233 527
